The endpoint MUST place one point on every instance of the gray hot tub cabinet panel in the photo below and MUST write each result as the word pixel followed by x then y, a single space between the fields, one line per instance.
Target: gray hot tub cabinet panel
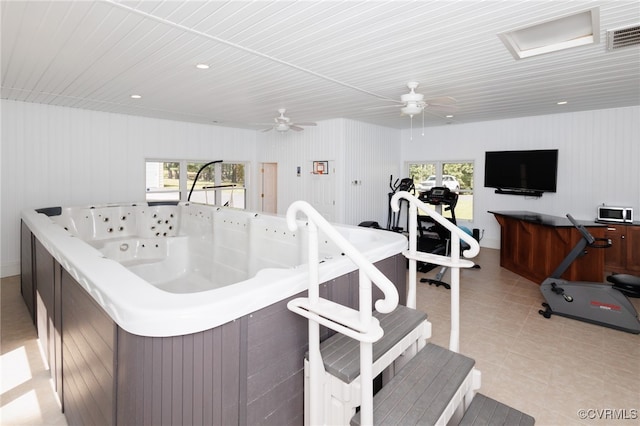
pixel 191 379
pixel 27 280
pixel 88 362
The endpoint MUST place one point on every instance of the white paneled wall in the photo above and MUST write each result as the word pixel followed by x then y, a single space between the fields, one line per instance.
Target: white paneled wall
pixel 372 154
pixel 599 160
pixel 56 156
pixel 356 152
pixel 291 150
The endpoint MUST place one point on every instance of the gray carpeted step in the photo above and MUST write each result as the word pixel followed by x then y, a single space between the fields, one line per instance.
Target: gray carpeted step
pixel 341 354
pixel 421 391
pixel 485 411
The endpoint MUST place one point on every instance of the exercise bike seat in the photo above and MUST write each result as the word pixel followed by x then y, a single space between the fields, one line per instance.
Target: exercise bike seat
pixel 625 283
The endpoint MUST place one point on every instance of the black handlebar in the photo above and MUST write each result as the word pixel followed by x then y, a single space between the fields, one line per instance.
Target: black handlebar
pixel 591 240
pixel 406 184
pixel 393 186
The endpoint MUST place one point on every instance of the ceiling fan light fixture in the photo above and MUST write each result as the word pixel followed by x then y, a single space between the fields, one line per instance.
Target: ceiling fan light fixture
pixel 282 127
pixel 411 109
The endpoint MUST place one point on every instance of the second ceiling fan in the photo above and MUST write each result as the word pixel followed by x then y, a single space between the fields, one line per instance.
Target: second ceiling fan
pixel 283 124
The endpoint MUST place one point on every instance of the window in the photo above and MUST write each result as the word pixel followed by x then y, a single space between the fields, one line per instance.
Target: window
pixel 457 176
pixel 217 183
pixel 204 189
pixel 163 181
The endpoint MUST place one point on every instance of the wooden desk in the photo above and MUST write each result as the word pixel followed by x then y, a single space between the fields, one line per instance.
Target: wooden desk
pixel 534 244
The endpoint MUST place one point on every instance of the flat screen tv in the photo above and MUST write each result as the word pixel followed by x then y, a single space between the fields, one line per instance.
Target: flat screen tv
pixel 521 172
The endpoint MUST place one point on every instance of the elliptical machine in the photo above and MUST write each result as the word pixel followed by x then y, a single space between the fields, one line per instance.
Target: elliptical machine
pixel 596 303
pixel 393 218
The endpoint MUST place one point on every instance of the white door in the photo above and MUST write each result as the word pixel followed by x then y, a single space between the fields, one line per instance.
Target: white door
pixel 269 190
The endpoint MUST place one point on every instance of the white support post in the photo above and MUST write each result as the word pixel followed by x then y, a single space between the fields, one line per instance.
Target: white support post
pixel 316 366
pixel 454 338
pixel 453 263
pixel 413 243
pixel 366 353
pixel 366 329
pixel 366 383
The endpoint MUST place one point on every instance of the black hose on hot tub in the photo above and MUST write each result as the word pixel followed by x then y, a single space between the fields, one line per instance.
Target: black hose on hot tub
pixel 198 174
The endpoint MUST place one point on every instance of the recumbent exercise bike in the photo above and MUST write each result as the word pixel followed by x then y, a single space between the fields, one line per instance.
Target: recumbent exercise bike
pixel 596 303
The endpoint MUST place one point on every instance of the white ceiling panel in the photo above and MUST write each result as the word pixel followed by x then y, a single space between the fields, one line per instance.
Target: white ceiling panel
pixel 318 59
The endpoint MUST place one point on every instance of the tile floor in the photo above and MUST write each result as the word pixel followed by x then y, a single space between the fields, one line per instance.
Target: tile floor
pixel 549 368
pixel 26 393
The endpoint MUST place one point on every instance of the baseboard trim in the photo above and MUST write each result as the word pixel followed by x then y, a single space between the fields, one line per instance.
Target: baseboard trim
pixel 9 269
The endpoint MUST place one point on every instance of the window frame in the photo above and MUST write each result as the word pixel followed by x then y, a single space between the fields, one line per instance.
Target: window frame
pixel 439 166
pixel 184 184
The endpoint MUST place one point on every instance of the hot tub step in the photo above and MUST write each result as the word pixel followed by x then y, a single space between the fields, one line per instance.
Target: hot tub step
pixel 341 354
pixel 405 333
pixel 486 411
pixel 425 391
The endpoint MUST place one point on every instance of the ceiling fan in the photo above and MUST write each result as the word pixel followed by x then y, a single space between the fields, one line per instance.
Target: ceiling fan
pixel 413 103
pixel 283 124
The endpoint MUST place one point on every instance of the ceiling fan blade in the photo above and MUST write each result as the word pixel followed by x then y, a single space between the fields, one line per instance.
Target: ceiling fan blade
pixel 308 123
pixel 442 100
pixel 384 107
pixel 443 108
pixel 266 130
pixel 296 128
pixel 395 101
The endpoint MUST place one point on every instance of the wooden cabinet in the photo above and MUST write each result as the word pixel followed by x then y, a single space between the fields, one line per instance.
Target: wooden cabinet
pixel 533 245
pixel 633 250
pixel 623 256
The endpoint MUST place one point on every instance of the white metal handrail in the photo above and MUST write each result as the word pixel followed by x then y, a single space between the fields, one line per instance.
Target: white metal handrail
pixel 359 325
pixel 454 262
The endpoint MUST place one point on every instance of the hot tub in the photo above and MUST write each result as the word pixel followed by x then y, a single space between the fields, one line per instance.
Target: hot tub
pixel 170 302
pixel 172 270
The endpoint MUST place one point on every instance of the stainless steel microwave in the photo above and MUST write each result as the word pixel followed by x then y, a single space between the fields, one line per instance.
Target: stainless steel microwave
pixel 615 214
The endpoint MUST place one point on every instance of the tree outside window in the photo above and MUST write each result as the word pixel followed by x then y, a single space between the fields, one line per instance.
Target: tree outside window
pixel 457 176
pixel 217 183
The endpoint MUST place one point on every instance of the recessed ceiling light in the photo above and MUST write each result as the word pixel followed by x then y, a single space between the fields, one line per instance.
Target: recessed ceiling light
pixel 136 96
pixel 562 33
pixel 449 116
pixel 563 102
pixel 202 66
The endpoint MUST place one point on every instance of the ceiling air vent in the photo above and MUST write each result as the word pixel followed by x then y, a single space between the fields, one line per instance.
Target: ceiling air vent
pixel 623 37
